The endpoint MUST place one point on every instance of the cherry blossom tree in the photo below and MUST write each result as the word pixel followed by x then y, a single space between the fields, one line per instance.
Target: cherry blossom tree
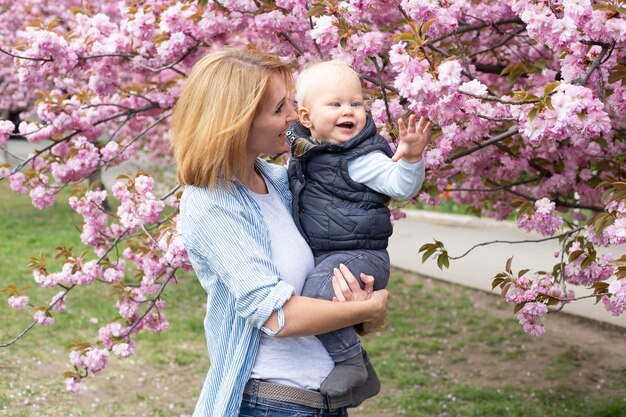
pixel 528 97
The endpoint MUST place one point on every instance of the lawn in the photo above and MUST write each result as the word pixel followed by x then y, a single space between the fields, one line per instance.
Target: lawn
pixel 446 350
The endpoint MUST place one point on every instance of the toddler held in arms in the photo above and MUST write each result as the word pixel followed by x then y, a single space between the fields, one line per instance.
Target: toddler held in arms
pixel 342 173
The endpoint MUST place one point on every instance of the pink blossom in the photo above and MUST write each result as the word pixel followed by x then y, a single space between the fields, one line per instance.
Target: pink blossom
pixel 115 273
pixel 110 333
pixel 529 317
pixel 616 232
pixel 43 318
pixel 616 29
pixel 18 301
pixel 143 184
pixel 109 151
pixel 543 220
pixel 124 350
pixel 616 301
pixel 95 359
pixel 6 128
pixel 42 197
pixel 73 385
pixel 367 44
pixel 597 271
pixel 58 301
pixel 474 87
pixel 17 183
pixel 450 73
pixel 324 30
pixel 379 111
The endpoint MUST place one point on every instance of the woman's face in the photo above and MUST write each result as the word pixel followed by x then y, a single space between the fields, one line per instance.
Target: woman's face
pixel 267 133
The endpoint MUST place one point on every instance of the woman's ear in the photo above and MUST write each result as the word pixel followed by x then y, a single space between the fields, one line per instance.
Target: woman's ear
pixel 303 116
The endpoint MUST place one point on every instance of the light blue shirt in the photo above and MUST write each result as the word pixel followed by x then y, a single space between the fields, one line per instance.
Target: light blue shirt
pixel 400 179
pixel 229 247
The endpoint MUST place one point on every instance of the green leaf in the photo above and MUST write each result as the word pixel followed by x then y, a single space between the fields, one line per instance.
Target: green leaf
pixel 533 113
pixel 424 28
pixel 617 73
pixel 10 290
pixel 574 255
pixel 508 265
pixel 406 36
pixel 496 282
pixel 446 260
pixel 426 246
pixel 428 254
pixel 550 88
pixel 505 288
pixel 522 272
pixel 442 260
pixel 518 307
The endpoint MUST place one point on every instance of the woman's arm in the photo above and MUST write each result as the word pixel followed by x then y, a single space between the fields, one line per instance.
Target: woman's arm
pixel 308 316
pixel 228 246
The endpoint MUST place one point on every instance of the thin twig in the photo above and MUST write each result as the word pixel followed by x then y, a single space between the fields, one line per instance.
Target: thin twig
pixel 384 94
pixel 26 57
pixel 499 100
pixel 470 28
pixel 291 42
pixel 484 144
pixel 499 188
pixel 152 305
pixel 514 242
pixel 375 82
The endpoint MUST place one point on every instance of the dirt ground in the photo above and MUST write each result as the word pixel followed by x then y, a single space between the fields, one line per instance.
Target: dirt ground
pixel 594 351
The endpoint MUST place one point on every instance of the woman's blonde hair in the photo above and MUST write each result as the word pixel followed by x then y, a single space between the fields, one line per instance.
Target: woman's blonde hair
pixel 213 115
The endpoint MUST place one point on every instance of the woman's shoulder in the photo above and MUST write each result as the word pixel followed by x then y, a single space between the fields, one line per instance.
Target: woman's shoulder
pixel 204 199
pixel 274 171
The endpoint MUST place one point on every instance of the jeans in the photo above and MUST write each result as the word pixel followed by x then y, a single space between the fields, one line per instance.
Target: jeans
pixel 261 407
pixel 344 343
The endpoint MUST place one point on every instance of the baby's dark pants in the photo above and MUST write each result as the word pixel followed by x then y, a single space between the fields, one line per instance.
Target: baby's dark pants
pixel 344 343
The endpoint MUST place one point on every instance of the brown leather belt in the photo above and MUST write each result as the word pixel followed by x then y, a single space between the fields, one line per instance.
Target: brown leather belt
pixel 305 397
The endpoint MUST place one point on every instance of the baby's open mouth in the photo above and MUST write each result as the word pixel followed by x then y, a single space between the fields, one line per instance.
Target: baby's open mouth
pixel 347 125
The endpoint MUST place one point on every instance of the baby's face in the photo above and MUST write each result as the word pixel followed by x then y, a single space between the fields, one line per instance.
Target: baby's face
pixel 334 110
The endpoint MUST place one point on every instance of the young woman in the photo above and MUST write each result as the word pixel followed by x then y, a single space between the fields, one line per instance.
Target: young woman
pixel 246 250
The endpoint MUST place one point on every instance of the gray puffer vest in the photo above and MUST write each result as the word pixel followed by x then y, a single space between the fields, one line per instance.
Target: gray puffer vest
pixel 332 211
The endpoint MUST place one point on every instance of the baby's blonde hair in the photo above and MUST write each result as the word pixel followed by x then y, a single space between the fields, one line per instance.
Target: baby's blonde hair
pixel 213 115
pixel 311 73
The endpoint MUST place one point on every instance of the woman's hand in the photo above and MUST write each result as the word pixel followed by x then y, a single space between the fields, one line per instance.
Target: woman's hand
pixel 347 288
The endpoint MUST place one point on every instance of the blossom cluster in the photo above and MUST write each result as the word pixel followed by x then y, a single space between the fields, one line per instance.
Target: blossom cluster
pixel 543 219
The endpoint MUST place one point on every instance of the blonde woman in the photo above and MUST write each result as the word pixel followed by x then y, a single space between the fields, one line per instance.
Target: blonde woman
pixel 246 250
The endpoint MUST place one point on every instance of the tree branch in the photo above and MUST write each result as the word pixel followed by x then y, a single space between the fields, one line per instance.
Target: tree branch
pixel 470 28
pixel 484 144
pixel 514 242
pixel 26 57
pixel 384 93
pixel 291 42
pixel 582 80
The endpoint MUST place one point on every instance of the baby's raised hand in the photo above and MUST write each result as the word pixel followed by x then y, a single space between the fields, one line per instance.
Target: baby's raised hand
pixel 413 139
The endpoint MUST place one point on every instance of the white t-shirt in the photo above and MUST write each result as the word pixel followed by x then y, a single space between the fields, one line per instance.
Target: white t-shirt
pixel 301 362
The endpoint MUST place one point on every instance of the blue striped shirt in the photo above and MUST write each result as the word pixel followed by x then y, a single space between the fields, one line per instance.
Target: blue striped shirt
pixel 229 247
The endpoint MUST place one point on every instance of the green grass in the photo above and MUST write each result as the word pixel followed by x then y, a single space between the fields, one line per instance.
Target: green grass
pixel 439 354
